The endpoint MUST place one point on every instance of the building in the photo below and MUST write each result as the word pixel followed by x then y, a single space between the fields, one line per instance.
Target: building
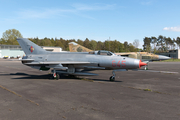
pixel 16 50
pixel 172 53
pixel 52 49
pixel 11 51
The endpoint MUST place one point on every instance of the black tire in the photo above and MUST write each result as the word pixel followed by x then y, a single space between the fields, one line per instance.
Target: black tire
pixel 112 78
pixel 57 76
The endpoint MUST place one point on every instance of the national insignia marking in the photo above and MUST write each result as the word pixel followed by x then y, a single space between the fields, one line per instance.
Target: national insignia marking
pixel 31 49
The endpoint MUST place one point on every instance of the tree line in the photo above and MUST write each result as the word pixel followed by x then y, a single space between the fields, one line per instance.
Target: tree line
pixel 151 44
pixel 9 38
pixel 160 44
pixel 114 46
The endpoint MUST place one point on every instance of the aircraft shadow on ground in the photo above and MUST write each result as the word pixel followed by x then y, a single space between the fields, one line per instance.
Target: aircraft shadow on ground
pixel 28 76
pixel 49 77
pixel 99 80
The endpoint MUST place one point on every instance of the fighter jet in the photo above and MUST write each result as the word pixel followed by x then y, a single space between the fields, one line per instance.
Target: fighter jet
pixel 143 56
pixel 74 63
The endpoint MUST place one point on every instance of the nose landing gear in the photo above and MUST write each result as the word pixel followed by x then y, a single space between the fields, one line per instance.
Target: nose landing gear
pixel 146 67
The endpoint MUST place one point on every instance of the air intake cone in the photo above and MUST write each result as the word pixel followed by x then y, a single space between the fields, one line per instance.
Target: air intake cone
pixel 141 64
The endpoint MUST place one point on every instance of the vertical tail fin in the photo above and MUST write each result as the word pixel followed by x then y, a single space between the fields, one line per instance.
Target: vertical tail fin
pixel 30 47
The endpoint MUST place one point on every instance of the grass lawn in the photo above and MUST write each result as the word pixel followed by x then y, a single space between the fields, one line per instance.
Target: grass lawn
pixel 170 60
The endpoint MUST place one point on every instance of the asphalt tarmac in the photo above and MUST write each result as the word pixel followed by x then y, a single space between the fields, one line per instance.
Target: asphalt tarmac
pixel 29 94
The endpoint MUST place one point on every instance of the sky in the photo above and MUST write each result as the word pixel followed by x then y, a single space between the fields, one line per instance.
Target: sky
pixel 100 20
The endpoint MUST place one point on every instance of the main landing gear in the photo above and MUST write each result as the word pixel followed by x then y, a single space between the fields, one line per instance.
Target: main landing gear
pixel 55 75
pixel 112 78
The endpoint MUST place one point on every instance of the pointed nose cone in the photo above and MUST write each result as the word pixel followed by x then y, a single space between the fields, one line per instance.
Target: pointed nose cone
pixel 162 57
pixel 141 64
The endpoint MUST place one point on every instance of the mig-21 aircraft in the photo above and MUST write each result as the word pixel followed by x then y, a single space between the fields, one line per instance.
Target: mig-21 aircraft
pixel 143 56
pixel 72 63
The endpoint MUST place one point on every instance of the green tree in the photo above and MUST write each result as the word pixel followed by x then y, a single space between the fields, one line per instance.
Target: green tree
pixel 126 46
pixel 52 42
pixel 121 47
pixel 131 48
pixel 154 41
pixel 147 44
pixel 64 43
pixel 107 45
pixel 115 46
pixel 59 44
pixel 178 41
pixel 161 43
pixel 93 44
pixel 173 43
pixel 11 35
pixel 47 42
pixel 100 45
pixel 80 42
pixel 167 42
pixel 2 41
pixel 86 43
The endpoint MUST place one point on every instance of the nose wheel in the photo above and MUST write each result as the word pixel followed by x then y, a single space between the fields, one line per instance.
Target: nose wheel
pixel 112 78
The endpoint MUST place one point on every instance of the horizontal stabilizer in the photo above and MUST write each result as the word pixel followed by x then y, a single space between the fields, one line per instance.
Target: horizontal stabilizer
pixel 27 60
pixel 21 59
pixel 32 63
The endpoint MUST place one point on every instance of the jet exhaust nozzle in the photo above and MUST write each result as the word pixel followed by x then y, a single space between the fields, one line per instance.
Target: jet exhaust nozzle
pixel 141 64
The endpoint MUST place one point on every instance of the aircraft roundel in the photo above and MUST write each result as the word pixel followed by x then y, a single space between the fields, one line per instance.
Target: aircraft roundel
pixel 31 49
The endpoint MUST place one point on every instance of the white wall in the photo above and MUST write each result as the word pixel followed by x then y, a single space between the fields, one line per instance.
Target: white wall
pixel 53 49
pixel 11 53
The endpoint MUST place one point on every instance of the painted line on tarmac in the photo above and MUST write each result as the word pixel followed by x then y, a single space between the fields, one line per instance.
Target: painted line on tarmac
pixel 160 71
pixel 18 95
pixel 146 89
pixel 10 91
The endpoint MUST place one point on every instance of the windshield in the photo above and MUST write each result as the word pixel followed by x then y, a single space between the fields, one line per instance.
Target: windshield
pixel 102 52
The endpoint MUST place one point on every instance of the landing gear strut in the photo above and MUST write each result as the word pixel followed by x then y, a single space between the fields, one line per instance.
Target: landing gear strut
pixel 112 78
pixel 146 67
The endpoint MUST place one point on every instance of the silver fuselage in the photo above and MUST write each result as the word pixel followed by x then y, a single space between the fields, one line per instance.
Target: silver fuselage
pixel 108 62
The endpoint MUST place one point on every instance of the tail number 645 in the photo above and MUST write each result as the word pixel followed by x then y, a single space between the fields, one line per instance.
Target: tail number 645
pixel 119 64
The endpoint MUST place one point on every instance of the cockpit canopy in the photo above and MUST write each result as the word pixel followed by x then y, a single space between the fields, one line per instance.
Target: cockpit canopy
pixel 102 52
